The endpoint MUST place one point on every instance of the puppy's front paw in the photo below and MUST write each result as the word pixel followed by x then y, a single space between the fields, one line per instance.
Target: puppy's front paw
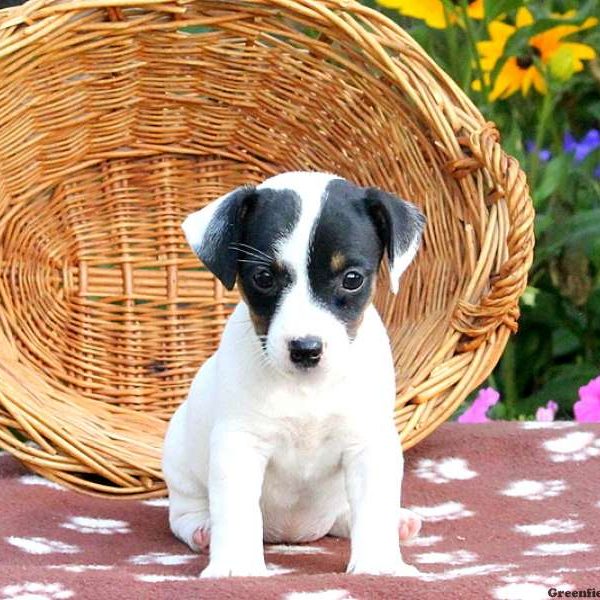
pixel 378 567
pixel 235 569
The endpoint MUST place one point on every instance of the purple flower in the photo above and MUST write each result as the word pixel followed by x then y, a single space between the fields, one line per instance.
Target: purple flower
pixel 543 154
pixel 587 408
pixel 486 398
pixel 546 413
pixel 588 143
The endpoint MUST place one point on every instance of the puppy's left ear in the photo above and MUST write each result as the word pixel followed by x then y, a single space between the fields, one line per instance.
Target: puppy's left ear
pixel 213 231
pixel 400 226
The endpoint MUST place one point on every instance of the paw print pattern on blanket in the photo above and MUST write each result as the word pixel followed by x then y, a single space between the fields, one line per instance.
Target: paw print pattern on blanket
pixel 424 540
pixel 458 557
pixel 291 549
pixel 157 502
pixel 40 545
pixel 36 591
pixel 558 549
pixel 502 519
pixel 444 470
pixel 530 587
pixel 37 480
pixel 575 446
pixel 535 490
pixel 320 595
pixel 446 511
pixel 161 558
pixel 547 425
pixel 550 527
pixel 93 525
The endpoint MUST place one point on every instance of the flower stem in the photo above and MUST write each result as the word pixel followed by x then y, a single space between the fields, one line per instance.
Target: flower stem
pixel 546 110
pixel 452 43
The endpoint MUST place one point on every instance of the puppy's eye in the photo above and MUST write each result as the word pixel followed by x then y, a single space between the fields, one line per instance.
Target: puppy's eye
pixel 263 280
pixel 352 281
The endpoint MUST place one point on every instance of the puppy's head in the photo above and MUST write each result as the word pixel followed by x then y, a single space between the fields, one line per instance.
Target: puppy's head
pixel 305 249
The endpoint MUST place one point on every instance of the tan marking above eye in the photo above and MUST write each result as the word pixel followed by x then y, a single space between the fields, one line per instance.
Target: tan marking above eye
pixel 338 260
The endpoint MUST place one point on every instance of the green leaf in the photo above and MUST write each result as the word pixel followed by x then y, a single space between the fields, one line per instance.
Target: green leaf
pixel 564 342
pixel 582 228
pixel 555 173
pixel 594 110
pixel 594 307
pixel 542 223
pixel 542 307
pixel 493 8
pixel 562 386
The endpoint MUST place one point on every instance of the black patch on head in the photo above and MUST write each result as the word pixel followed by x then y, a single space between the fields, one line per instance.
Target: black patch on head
pixel 398 222
pixel 217 250
pixel 344 230
pixel 355 227
pixel 271 217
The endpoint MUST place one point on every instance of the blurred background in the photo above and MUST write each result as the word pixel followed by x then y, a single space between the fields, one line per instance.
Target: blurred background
pixel 533 69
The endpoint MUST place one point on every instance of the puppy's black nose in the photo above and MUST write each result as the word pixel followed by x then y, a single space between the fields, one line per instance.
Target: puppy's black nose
pixel 306 351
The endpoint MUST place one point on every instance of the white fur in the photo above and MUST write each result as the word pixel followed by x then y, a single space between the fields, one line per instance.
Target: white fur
pixel 401 262
pixel 260 451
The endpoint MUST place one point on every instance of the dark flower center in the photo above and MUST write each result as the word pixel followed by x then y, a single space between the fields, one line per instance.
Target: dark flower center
pixel 526 60
pixel 459 2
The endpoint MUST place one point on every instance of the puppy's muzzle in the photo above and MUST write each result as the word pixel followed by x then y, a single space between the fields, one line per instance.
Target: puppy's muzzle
pixel 306 351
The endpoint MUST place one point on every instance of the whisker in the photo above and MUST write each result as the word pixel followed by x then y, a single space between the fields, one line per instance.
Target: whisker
pixel 247 247
pixel 248 253
pixel 255 261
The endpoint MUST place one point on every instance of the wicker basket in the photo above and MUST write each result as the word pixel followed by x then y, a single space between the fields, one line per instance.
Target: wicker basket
pixel 120 117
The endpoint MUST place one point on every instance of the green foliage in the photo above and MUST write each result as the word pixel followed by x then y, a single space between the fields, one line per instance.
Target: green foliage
pixel 557 349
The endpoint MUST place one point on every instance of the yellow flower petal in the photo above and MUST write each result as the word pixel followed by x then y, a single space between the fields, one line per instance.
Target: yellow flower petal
pixel 524 17
pixel 508 80
pixel 588 23
pixel 527 81
pixel 500 31
pixel 581 51
pixel 491 50
pixel 431 11
pixel 475 9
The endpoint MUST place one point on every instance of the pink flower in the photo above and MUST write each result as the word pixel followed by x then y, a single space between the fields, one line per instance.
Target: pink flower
pixel 546 413
pixel 587 408
pixel 486 398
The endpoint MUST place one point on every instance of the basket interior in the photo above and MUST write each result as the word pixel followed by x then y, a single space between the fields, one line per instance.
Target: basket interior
pixel 112 135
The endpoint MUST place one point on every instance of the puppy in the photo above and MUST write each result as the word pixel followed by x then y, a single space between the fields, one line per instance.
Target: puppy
pixel 287 434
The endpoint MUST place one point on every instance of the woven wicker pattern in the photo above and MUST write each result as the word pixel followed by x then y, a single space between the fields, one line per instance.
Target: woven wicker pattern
pixel 119 117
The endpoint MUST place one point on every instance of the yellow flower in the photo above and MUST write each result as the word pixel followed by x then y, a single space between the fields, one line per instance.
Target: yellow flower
pixel 433 12
pixel 521 72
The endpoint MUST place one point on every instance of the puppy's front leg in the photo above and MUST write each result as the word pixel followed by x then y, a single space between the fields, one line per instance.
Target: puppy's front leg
pixel 373 472
pixel 236 471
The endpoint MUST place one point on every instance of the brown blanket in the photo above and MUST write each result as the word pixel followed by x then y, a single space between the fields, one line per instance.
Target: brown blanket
pixel 510 510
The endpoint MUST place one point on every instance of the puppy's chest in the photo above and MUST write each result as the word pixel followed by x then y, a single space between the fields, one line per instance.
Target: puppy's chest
pixel 306 451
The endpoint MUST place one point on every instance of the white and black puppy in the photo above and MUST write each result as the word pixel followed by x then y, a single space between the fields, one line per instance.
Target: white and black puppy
pixel 287 433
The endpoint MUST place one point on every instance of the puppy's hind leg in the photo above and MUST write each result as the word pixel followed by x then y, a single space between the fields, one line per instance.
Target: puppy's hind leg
pixel 341 526
pixel 189 518
pixel 409 525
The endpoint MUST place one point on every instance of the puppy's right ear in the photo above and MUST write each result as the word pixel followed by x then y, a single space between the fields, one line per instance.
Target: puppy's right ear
pixel 213 231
